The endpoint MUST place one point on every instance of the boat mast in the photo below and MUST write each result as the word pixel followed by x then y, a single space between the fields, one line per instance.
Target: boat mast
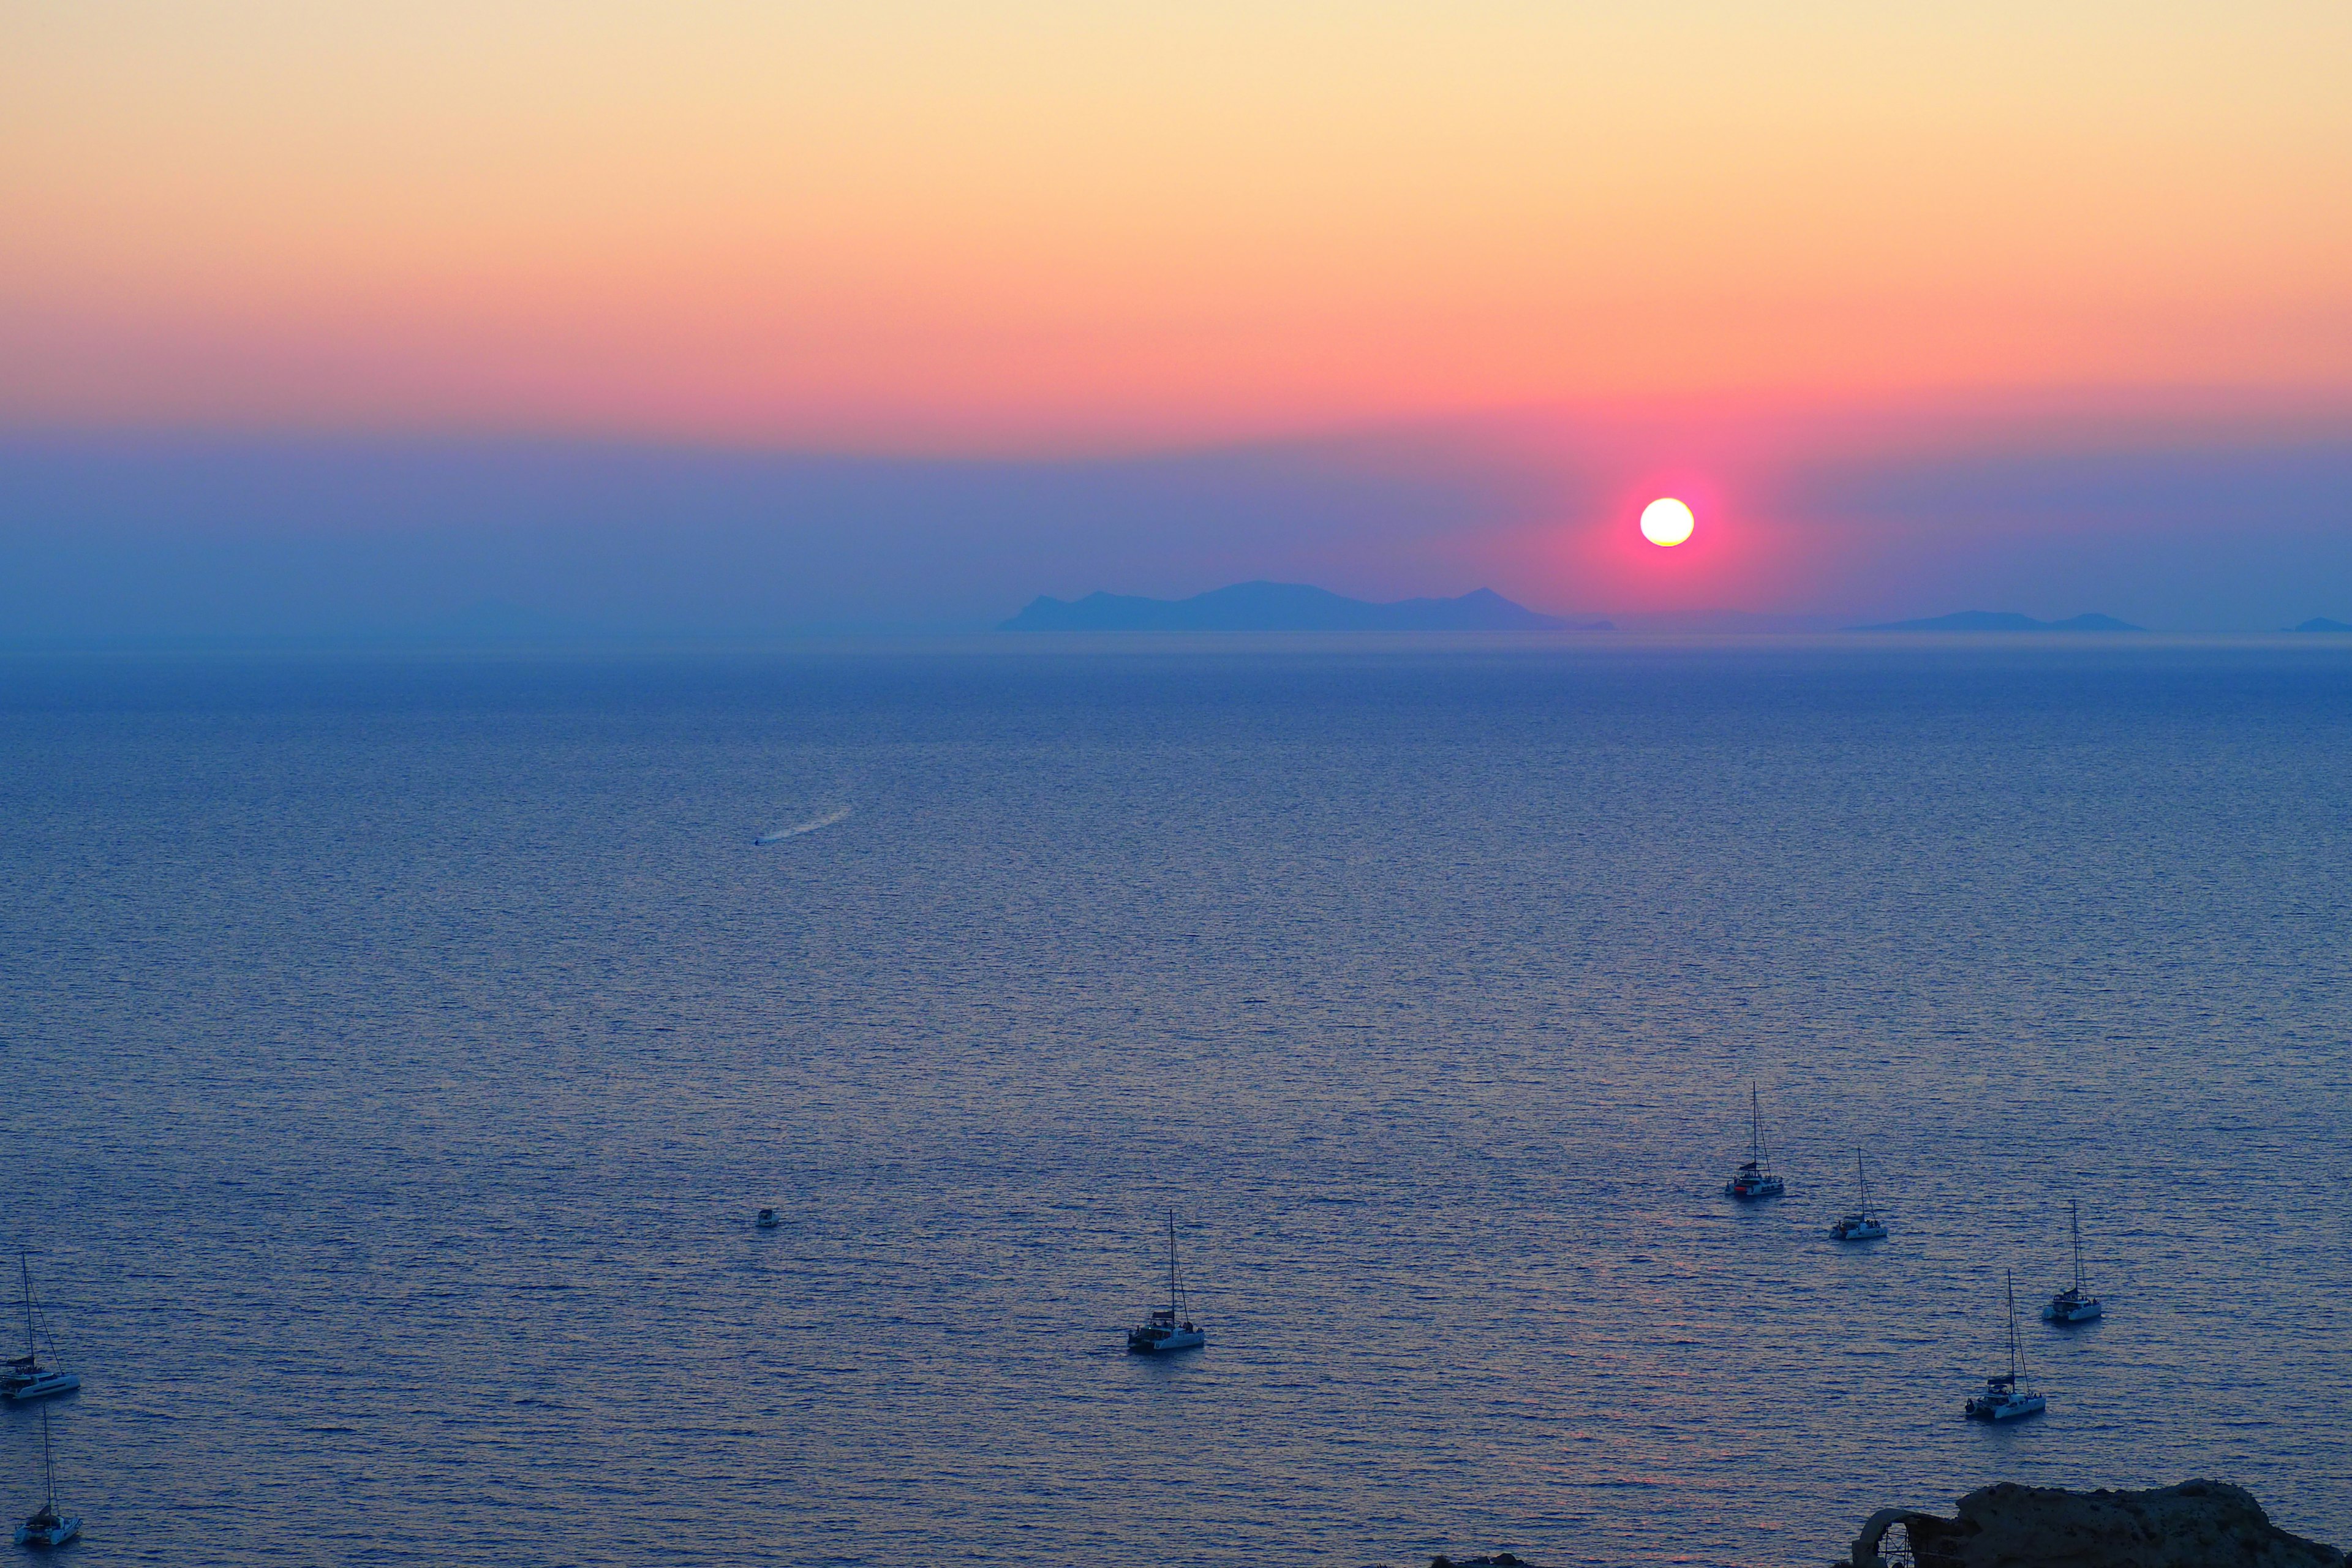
pixel 2075 1209
pixel 25 1267
pixel 2015 1354
pixel 1755 1127
pixel 1171 1263
pixel 49 1463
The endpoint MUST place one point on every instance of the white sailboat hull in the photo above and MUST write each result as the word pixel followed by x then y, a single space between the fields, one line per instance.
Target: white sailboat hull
pixel 2074 1304
pixel 2010 1409
pixel 45 1387
pixel 58 1534
pixel 1167 1330
pixel 2071 1311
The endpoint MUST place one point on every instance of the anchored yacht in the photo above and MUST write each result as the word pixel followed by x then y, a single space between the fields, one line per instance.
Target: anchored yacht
pixel 47 1526
pixel 1858 1226
pixel 1169 1330
pixel 1753 1179
pixel 2008 1398
pixel 2074 1304
pixel 23 1378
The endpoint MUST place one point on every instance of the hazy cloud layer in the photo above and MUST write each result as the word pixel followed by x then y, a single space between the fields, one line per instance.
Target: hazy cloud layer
pixel 120 537
pixel 2219 538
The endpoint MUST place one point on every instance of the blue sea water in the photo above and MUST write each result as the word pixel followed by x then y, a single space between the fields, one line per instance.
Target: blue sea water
pixel 394 1052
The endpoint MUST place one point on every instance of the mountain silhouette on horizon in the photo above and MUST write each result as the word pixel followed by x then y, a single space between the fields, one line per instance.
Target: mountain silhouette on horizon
pixel 1286 608
pixel 2321 624
pixel 2002 621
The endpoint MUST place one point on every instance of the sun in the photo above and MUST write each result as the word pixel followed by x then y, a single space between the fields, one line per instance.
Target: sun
pixel 1667 521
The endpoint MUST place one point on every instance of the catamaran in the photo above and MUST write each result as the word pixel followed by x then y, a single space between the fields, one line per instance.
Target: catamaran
pixel 24 1377
pixel 47 1526
pixel 1858 1226
pixel 1169 1330
pixel 2074 1304
pixel 1753 1180
pixel 2007 1398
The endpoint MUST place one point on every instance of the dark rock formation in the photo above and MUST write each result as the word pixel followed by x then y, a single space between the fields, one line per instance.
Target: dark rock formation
pixel 2193 1525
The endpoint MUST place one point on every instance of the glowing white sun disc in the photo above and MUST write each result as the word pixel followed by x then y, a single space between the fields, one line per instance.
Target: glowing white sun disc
pixel 1667 521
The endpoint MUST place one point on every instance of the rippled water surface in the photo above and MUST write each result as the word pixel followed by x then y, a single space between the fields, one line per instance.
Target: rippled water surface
pixel 394 1052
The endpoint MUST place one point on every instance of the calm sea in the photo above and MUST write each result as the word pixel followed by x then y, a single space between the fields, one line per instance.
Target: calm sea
pixel 394 1053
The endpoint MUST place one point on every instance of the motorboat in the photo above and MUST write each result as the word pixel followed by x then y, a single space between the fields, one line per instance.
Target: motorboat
pixel 23 1378
pixel 1858 1226
pixel 1170 1329
pixel 47 1526
pixel 1755 1179
pixel 769 1219
pixel 2074 1304
pixel 2011 1397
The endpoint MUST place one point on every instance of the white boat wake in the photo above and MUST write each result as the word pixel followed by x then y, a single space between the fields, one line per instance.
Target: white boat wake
pixel 777 834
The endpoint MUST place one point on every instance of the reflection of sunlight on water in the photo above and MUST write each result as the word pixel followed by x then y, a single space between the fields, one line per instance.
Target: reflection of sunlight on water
pixel 1522 929
pixel 775 834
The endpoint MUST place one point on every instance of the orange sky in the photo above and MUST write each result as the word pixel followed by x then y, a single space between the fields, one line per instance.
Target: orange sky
pixel 1043 226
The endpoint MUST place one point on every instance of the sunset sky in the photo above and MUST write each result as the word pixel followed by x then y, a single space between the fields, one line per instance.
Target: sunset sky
pixel 1440 293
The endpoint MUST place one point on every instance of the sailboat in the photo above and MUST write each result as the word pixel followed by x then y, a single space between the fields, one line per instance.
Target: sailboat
pixel 2007 1398
pixel 1752 1180
pixel 1858 1226
pixel 23 1377
pixel 2074 1304
pixel 1169 1330
pixel 47 1526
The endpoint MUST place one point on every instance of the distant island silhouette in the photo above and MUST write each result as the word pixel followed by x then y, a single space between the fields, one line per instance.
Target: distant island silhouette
pixel 2321 624
pixel 2002 621
pixel 1287 607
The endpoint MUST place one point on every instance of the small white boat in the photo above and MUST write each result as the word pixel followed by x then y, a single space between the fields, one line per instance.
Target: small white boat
pixel 769 1219
pixel 2008 1398
pixel 1169 1330
pixel 1858 1226
pixel 47 1526
pixel 1755 1179
pixel 2074 1304
pixel 23 1377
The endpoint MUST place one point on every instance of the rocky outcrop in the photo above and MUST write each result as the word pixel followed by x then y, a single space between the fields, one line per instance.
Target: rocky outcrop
pixel 2193 1525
